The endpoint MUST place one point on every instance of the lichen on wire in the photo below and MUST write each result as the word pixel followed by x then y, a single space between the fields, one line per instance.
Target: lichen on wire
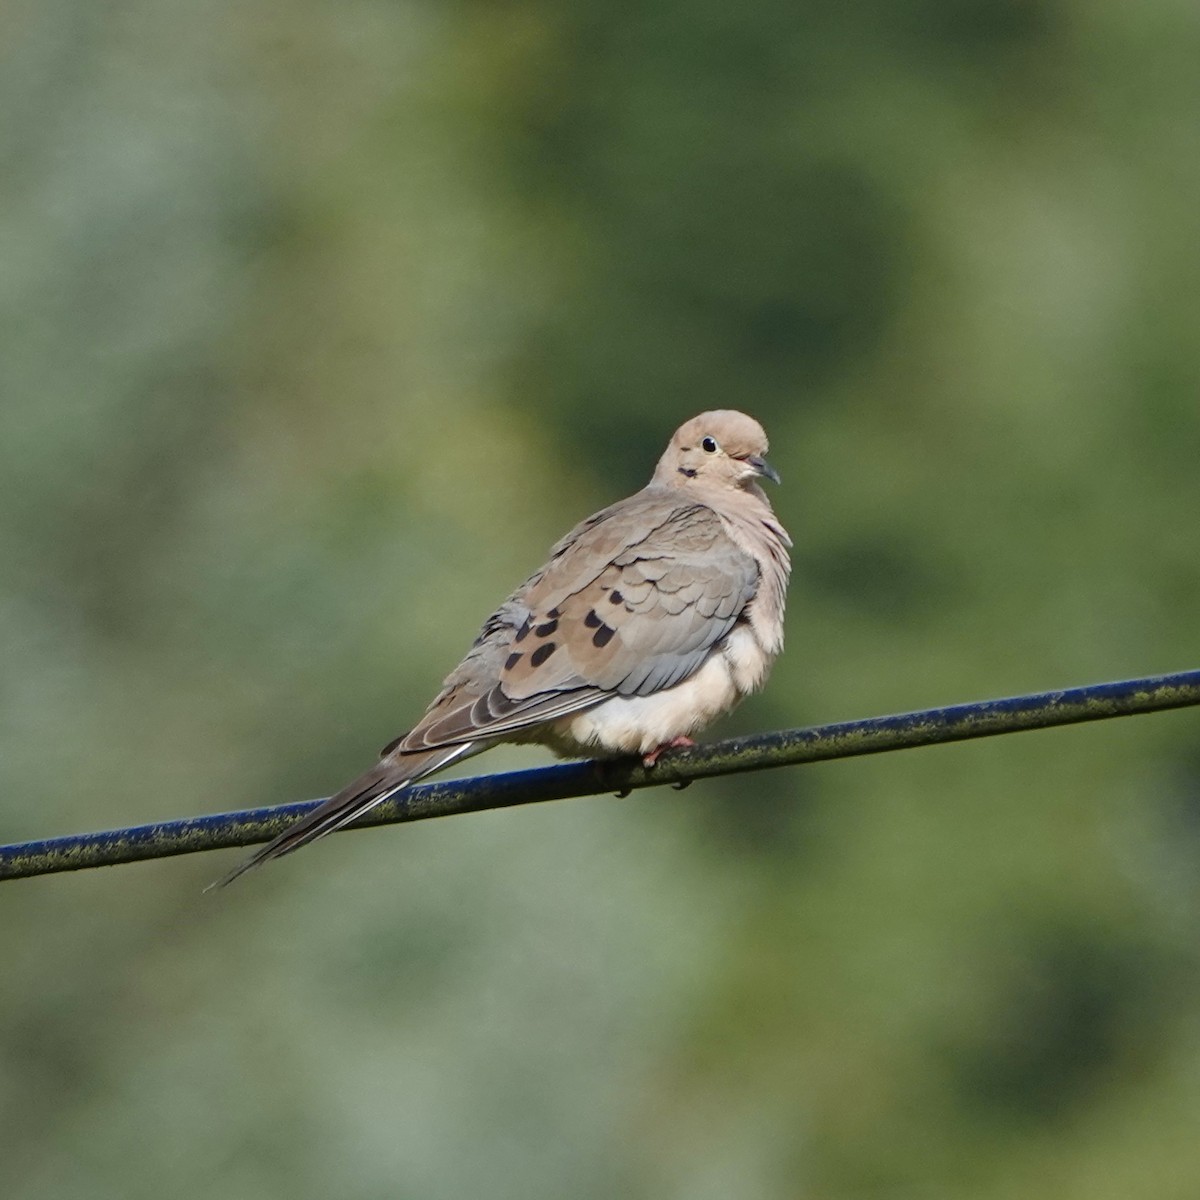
pixel 788 747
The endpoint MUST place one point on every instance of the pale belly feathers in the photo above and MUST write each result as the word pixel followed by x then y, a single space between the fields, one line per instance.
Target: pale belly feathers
pixel 639 724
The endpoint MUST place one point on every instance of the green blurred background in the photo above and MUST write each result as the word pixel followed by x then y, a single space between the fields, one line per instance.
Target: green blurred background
pixel 322 320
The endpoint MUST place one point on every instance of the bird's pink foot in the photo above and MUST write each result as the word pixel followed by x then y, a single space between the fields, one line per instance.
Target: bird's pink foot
pixel 676 743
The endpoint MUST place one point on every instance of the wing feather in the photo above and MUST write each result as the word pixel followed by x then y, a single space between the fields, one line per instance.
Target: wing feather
pixel 631 602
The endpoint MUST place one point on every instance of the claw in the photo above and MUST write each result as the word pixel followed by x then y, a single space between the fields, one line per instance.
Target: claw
pixel 676 743
pixel 605 771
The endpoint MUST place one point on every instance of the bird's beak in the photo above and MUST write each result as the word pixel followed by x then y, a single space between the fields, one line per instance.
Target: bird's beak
pixel 762 467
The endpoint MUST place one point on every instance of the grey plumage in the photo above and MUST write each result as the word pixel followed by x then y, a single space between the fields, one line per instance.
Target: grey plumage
pixel 649 619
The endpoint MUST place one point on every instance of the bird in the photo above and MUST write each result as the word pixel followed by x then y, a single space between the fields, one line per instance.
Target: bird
pixel 650 619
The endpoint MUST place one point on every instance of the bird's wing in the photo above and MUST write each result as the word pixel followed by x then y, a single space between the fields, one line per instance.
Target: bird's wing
pixel 632 602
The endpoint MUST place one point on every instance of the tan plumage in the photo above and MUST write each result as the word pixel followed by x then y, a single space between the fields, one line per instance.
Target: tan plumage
pixel 651 618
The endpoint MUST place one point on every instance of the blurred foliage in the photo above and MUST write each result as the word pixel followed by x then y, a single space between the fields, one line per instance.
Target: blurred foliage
pixel 323 321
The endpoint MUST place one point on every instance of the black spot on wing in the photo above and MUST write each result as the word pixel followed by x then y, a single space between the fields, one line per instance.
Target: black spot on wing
pixel 591 620
pixel 548 628
pixel 602 636
pixel 615 597
pixel 542 653
pixel 512 660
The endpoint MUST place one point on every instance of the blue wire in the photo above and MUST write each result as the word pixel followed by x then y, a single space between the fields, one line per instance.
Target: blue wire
pixel 758 752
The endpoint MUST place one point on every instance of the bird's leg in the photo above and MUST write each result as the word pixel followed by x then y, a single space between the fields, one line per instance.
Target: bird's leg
pixel 606 768
pixel 676 743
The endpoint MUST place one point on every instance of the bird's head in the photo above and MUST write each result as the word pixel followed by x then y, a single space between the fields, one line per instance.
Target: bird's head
pixel 721 449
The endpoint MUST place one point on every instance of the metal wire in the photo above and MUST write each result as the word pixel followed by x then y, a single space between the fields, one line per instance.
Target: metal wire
pixel 787 747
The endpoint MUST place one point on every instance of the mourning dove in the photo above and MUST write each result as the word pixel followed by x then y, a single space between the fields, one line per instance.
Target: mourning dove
pixel 650 619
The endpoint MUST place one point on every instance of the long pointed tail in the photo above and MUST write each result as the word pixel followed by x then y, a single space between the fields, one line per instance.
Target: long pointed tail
pixel 391 775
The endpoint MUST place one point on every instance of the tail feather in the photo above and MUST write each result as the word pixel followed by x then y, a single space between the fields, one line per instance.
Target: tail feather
pixel 390 776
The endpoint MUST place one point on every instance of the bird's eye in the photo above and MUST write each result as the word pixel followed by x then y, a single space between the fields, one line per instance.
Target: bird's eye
pixel 709 445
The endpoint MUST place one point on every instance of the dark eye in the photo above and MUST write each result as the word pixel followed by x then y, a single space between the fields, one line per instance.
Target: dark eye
pixel 709 445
